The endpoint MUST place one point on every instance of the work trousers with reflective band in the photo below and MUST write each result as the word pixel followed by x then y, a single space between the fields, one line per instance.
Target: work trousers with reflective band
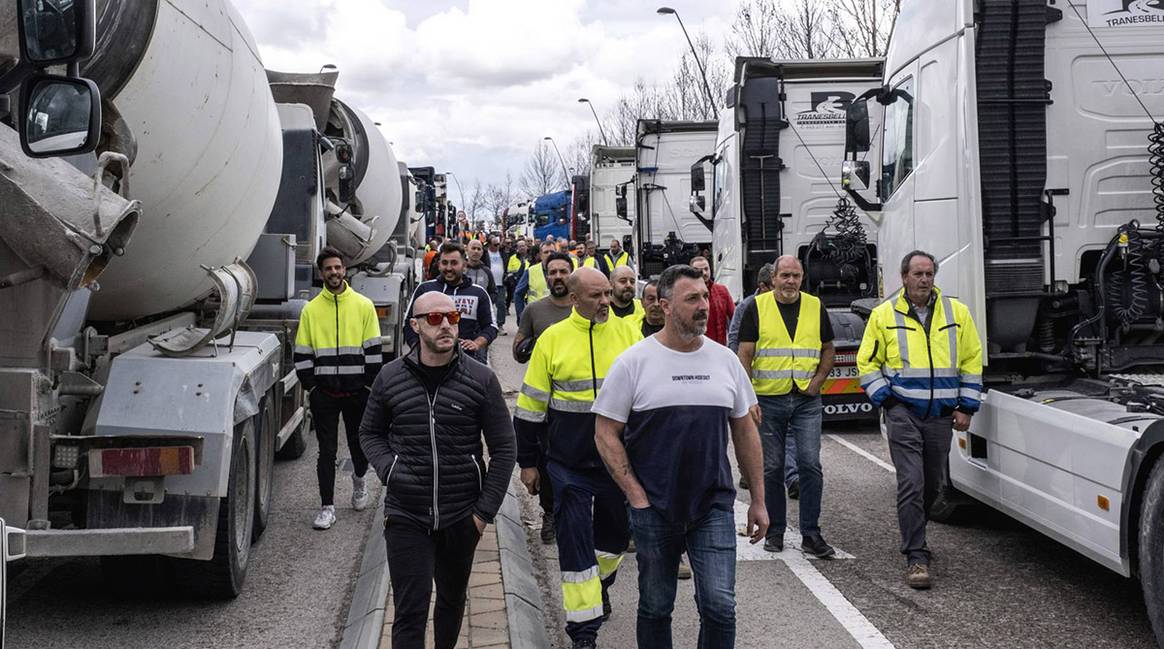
pixel 710 543
pixel 591 520
pixel 325 415
pixel 919 448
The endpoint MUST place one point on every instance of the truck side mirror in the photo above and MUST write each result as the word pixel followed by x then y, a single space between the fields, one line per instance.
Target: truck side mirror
pixel 698 177
pixel 855 174
pixel 857 127
pixel 347 174
pixel 59 116
pixel 620 201
pixel 54 32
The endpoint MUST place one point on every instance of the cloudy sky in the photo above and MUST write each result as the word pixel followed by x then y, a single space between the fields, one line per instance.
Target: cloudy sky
pixel 472 86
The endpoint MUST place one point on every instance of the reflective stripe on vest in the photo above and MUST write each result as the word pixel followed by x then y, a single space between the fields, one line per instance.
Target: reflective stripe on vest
pixel 781 361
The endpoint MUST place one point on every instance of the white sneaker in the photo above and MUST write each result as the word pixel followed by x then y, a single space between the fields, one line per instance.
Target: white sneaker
pixel 325 519
pixel 359 494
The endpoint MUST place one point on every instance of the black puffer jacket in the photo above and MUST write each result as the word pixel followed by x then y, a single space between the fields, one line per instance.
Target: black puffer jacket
pixel 427 448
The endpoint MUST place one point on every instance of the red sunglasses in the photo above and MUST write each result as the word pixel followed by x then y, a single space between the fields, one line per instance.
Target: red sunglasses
pixel 433 318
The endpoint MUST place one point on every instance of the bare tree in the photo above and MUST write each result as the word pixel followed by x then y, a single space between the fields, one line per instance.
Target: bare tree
pixel 864 26
pixel 578 152
pixel 499 197
pixel 477 201
pixel 543 172
pixel 643 102
pixel 753 32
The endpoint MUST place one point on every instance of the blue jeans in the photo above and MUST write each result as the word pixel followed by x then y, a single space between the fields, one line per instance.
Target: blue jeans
pixel 710 543
pixel 797 416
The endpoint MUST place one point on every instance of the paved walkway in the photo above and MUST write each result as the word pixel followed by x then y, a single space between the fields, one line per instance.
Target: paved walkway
pixel 485 623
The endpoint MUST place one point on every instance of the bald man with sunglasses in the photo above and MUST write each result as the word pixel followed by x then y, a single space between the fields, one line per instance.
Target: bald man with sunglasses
pixel 440 492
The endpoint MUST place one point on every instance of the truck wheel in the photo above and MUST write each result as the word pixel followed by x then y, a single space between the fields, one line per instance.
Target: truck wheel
pixel 222 577
pixel 1151 554
pixel 266 431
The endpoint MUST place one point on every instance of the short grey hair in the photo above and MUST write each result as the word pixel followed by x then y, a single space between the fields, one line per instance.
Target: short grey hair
pixel 672 274
pixel 764 275
pixel 905 261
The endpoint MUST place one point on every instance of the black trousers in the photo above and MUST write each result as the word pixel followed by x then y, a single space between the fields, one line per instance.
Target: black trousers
pixel 545 488
pixel 416 558
pixel 325 413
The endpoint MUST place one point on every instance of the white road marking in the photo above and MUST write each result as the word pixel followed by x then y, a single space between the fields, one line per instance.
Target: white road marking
pixel 746 551
pixel 800 564
pixel 863 453
pixel 841 609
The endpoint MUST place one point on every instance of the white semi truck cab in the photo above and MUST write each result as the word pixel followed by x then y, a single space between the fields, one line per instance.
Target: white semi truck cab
pixel 612 169
pixel 1030 162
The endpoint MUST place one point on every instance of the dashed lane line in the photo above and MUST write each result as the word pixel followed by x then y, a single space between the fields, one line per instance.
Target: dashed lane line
pixel 862 452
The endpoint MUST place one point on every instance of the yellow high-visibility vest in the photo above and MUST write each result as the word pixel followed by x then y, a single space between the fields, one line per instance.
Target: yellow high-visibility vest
pixel 782 361
pixel 537 284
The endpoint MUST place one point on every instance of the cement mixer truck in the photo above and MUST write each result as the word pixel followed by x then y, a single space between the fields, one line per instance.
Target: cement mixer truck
pixel 150 285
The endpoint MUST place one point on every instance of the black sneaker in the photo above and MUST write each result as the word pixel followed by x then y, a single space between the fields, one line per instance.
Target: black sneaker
pixel 585 644
pixel 548 534
pixel 794 490
pixel 607 609
pixel 816 546
pixel 774 544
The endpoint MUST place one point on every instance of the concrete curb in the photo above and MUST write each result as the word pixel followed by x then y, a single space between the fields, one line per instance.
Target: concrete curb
pixel 365 624
pixel 523 600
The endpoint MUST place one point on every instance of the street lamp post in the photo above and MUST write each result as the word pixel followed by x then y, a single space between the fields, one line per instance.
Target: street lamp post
pixel 702 73
pixel 601 132
pixel 459 189
pixel 560 159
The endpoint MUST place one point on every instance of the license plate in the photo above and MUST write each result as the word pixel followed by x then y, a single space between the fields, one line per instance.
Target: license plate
pixel 845 372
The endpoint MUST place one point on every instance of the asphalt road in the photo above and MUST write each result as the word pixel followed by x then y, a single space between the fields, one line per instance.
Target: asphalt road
pixel 297 591
pixel 996 583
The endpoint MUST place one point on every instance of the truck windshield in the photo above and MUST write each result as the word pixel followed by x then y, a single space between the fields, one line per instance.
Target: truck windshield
pixel 897 156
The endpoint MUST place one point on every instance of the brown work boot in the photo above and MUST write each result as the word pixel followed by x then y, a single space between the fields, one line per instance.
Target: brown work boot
pixel 918 576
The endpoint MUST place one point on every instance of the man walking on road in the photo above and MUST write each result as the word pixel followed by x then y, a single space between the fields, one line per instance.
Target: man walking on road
pixel 653 316
pixel 532 286
pixel 764 285
pixel 786 345
pixel 722 307
pixel 337 355
pixel 496 262
pixel 675 398
pixel 569 364
pixel 536 318
pixel 440 492
pixel 921 362
pixel 476 328
pixel 623 302
pixel 615 257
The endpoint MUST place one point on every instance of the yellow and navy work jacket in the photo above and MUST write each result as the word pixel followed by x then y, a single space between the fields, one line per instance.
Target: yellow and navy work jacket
pixel 565 373
pixel 337 346
pixel 781 361
pixel 634 317
pixel 932 367
pixel 537 284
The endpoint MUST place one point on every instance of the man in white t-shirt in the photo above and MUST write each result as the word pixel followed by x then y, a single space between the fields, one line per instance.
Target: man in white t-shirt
pixel 674 398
